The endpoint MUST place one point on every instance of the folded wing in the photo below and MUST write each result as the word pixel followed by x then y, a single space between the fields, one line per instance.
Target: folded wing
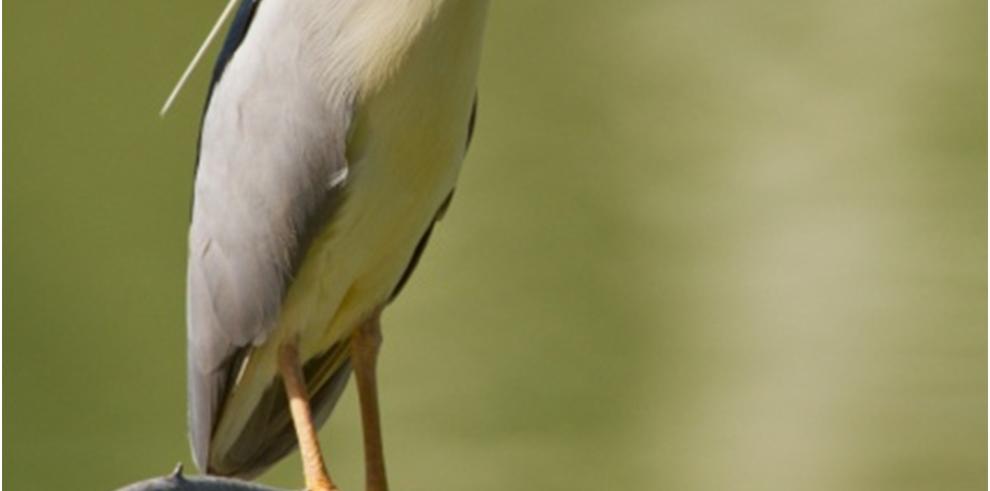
pixel 271 172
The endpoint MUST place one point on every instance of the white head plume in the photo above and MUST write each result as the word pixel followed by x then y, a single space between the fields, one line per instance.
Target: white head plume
pixel 199 55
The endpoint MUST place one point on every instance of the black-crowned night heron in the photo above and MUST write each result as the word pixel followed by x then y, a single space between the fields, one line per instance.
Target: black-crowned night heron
pixel 332 139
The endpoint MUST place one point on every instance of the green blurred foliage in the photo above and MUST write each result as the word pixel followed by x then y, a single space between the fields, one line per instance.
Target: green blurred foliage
pixel 696 246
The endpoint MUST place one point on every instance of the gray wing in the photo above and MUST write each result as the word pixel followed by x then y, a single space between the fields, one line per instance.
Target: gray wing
pixel 272 169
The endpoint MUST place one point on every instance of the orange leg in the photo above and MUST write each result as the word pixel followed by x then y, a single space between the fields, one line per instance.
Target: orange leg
pixel 364 354
pixel 315 472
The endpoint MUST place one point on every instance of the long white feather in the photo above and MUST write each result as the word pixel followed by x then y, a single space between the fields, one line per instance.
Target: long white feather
pixel 199 55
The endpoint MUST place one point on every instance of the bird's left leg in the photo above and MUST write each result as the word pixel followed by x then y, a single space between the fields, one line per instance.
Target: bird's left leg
pixel 317 478
pixel 365 342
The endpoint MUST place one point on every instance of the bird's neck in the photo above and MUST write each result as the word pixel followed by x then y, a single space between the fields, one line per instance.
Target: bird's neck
pixel 370 39
pixel 390 31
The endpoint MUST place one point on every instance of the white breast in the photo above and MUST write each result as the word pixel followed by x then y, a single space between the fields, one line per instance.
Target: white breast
pixel 407 143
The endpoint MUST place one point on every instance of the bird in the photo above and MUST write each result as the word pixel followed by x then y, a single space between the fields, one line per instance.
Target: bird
pixel 329 147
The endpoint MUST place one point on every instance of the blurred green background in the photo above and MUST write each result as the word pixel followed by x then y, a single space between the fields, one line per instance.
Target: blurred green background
pixel 696 246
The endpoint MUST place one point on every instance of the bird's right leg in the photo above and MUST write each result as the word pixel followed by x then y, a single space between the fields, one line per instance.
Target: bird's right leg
pixel 365 343
pixel 317 478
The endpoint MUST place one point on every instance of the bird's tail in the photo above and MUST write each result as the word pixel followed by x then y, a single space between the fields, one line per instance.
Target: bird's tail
pixel 268 434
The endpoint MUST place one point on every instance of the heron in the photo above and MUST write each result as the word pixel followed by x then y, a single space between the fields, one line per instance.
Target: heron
pixel 330 145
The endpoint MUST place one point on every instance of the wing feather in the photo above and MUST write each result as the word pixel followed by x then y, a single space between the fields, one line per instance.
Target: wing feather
pixel 271 172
